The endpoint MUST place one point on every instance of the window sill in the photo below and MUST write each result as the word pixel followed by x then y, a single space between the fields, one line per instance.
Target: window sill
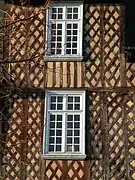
pixel 63 58
pixel 64 156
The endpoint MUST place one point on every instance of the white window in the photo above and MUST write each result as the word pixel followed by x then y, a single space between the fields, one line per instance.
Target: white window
pixel 64 30
pixel 64 125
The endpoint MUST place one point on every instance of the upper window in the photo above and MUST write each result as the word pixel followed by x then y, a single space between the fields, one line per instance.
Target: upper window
pixel 64 30
pixel 64 130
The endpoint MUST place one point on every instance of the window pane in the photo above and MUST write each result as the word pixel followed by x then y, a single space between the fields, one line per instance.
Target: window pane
pixel 77 125
pixel 59 125
pixel 51 140
pixel 77 99
pixel 68 51
pixel 69 125
pixel 70 106
pixel 69 10
pixel 60 10
pixel 68 26
pixel 76 147
pixel 76 117
pixel 59 107
pixel 52 125
pixel 69 16
pixel 74 51
pixel 76 140
pixel 69 132
pixel 52 117
pixel 59 38
pixel 70 118
pixel 53 99
pixel 59 117
pixel 69 140
pixel 77 106
pixel 52 133
pixel 58 147
pixel 68 38
pixel 60 99
pixel 54 10
pixel 51 148
pixel 69 148
pixel 75 16
pixel 75 26
pixel 75 10
pixel 59 133
pixel 58 51
pixel 58 140
pixel 70 99
pixel 59 16
pixel 74 38
pixel 76 133
pixel 53 106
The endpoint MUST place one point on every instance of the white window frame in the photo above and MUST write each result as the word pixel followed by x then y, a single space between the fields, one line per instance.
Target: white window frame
pixel 67 57
pixel 64 155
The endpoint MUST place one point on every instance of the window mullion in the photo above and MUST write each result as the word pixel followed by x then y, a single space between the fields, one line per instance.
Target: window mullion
pixel 64 126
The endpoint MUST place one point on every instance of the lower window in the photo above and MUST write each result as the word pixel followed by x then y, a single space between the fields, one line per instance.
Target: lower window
pixel 64 125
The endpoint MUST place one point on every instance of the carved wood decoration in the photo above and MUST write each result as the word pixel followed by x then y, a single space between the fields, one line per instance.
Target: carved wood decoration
pixel 110 140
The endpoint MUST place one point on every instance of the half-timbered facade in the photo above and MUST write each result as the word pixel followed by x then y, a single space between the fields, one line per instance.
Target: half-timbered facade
pixel 102 72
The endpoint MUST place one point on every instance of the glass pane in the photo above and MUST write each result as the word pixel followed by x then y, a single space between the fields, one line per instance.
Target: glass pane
pixel 59 16
pixel 77 125
pixel 69 140
pixel 70 99
pixel 52 51
pixel 68 26
pixel 59 99
pixel 76 117
pixel 69 10
pixel 76 133
pixel 74 38
pixel 70 106
pixel 69 148
pixel 59 133
pixel 58 45
pixel 59 32
pixel 53 99
pixel 58 51
pixel 69 16
pixel 58 140
pixel 69 125
pixel 51 140
pixel 77 106
pixel 53 106
pixel 74 32
pixel 59 125
pixel 68 38
pixel 76 140
pixel 59 117
pixel 53 26
pixel 52 125
pixel 59 38
pixel 51 148
pixel 74 51
pixel 75 10
pixel 76 147
pixel 68 32
pixel 58 147
pixel 60 10
pixel 52 132
pixel 74 45
pixel 53 16
pixel 52 117
pixel 74 26
pixel 77 99
pixel 54 10
pixel 59 107
pixel 75 16
pixel 68 51
pixel 52 45
pixel 69 132
pixel 70 118
pixel 68 45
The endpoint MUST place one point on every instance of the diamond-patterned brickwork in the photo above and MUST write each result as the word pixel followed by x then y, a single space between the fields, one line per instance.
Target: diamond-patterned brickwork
pixel 112 37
